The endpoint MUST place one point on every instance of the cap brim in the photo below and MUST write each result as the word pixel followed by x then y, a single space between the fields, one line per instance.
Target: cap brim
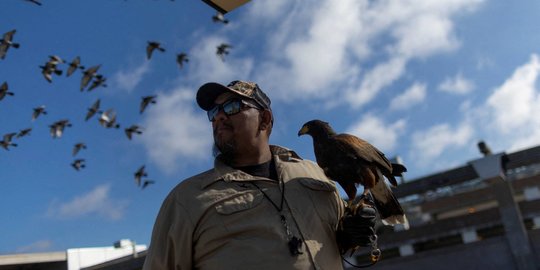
pixel 208 92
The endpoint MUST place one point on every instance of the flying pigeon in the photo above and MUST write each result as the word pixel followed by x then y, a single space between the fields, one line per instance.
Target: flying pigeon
pixel 38 111
pixel 88 75
pixel 55 59
pixel 181 58
pixel 132 129
pixel 99 80
pixel 4 91
pixel 77 147
pixel 23 132
pixel 7 42
pixel 140 173
pixel 145 101
pixel 74 65
pixel 153 45
pixel 219 18
pixel 6 142
pixel 222 50
pixel 350 161
pixel 57 128
pixel 147 182
pixel 78 164
pixel 93 110
pixel 51 67
pixel 108 119
pixel 34 1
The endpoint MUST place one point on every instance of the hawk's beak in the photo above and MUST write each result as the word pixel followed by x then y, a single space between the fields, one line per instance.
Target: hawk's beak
pixel 303 131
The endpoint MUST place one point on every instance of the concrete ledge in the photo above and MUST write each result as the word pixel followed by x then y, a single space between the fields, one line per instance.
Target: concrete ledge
pixel 33 258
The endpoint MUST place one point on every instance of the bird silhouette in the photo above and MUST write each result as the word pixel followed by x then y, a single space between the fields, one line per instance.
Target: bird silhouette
pixel 350 161
pixel 132 129
pixel 6 141
pixel 23 132
pixel 108 119
pixel 146 100
pixel 74 65
pixel 6 42
pixel 181 58
pixel 78 164
pixel 222 50
pixel 153 45
pixel 77 147
pixel 55 59
pixel 99 80
pixel 147 182
pixel 38 111
pixel 93 110
pixel 57 128
pixel 50 67
pixel 34 1
pixel 88 74
pixel 139 174
pixel 4 91
pixel 219 17
pixel 484 148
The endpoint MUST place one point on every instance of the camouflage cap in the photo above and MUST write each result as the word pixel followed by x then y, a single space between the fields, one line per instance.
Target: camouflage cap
pixel 207 94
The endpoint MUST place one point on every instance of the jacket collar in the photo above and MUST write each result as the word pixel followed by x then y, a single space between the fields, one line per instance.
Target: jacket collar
pixel 226 173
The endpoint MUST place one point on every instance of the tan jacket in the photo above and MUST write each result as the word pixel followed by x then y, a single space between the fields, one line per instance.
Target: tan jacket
pixel 219 220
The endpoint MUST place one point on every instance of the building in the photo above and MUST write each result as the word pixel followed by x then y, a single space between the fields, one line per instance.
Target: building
pixel 482 215
pixel 74 258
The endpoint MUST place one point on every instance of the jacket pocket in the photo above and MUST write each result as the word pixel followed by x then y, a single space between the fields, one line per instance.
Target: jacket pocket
pixel 239 202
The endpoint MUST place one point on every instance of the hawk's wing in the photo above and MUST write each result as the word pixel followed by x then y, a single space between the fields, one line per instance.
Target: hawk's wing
pixel 356 147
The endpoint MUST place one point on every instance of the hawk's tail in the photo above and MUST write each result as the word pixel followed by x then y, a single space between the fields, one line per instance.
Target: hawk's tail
pixel 387 204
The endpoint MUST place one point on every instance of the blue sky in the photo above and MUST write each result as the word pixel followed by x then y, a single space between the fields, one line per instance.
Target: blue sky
pixel 425 80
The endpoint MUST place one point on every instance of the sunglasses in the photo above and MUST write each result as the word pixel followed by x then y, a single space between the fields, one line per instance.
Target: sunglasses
pixel 230 107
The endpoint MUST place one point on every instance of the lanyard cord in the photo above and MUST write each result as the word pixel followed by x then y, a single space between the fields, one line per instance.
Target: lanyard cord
pixel 294 243
pixel 282 188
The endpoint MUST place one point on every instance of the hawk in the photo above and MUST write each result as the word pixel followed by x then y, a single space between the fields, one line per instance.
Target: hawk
pixel 350 161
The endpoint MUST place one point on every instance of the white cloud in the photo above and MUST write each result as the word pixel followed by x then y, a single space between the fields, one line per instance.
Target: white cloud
pixel 374 80
pixel 456 85
pixel 174 131
pixel 515 106
pixel 381 135
pixel 260 10
pixel 129 79
pixel 327 57
pixel 429 144
pixel 97 201
pixel 315 48
pixel 412 96
pixel 513 102
pixel 206 66
pixel 38 246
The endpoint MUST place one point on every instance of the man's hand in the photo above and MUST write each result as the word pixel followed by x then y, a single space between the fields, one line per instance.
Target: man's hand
pixel 358 229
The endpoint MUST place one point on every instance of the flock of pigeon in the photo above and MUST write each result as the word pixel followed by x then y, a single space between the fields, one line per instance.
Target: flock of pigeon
pixel 90 76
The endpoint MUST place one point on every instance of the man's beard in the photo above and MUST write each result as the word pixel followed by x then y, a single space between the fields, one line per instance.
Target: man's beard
pixel 226 151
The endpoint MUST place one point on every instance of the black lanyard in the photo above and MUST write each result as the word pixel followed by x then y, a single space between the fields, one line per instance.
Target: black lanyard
pixel 294 243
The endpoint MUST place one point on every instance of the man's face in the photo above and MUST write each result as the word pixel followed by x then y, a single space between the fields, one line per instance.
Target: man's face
pixel 236 133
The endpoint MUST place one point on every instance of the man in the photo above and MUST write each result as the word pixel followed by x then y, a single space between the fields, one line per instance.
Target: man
pixel 260 207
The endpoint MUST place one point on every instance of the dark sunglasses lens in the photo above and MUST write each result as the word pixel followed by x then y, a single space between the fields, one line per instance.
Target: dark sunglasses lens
pixel 212 113
pixel 229 108
pixel 232 107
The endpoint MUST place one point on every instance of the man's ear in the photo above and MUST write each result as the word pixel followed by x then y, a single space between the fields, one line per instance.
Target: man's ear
pixel 266 119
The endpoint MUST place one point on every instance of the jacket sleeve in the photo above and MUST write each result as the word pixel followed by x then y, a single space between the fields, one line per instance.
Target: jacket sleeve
pixel 171 243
